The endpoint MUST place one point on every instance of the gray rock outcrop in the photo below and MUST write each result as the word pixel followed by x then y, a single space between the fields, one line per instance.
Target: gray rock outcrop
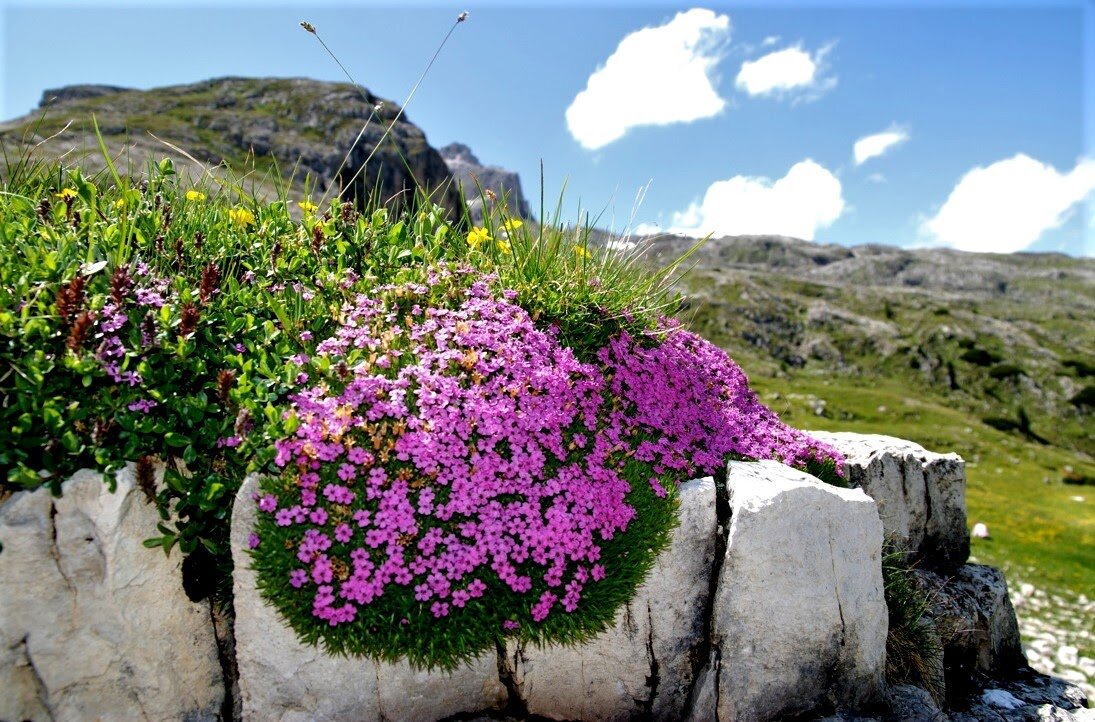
pixel 976 623
pixel 644 664
pixel 93 625
pixel 799 617
pixel 921 495
pixel 473 177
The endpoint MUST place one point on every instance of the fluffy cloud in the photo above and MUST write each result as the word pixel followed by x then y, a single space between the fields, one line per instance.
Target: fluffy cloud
pixel 786 72
pixel 657 76
pixel 1007 206
pixel 872 146
pixel 807 198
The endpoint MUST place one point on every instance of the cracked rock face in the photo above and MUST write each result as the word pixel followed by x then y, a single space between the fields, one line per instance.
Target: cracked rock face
pixel 774 611
pixel 643 665
pixel 921 495
pixel 93 625
pixel 282 679
pixel 799 615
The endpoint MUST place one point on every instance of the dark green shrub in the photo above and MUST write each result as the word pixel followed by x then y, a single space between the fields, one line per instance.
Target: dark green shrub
pixel 1084 397
pixel 1005 371
pixel 980 357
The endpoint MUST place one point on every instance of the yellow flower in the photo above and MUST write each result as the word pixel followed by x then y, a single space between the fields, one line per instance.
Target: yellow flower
pixel 120 203
pixel 512 224
pixel 241 216
pixel 477 237
pixel 581 251
pixel 308 207
pixel 193 195
pixel 503 246
pixel 67 193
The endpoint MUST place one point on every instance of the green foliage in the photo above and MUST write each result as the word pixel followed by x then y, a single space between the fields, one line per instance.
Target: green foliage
pixel 199 381
pixel 562 278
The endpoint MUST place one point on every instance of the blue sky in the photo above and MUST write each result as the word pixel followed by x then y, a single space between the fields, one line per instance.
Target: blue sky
pixel 962 123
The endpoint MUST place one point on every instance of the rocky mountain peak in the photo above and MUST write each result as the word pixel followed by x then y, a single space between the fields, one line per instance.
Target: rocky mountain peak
pixel 54 96
pixel 471 176
pixel 302 126
pixel 459 153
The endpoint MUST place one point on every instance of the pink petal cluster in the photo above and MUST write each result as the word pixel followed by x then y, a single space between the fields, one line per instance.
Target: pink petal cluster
pixel 465 449
pixel 695 407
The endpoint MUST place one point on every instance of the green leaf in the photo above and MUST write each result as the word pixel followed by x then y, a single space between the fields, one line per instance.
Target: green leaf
pixel 175 439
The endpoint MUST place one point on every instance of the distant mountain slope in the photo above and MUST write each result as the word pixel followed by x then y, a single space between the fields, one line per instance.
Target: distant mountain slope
pixel 303 126
pixel 1009 338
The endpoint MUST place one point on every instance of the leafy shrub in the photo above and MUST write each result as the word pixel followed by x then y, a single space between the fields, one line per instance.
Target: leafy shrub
pixel 159 321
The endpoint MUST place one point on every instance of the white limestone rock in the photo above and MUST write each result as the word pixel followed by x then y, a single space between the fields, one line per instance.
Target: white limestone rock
pixel 93 625
pixel 799 613
pixel 282 679
pixel 643 665
pixel 921 495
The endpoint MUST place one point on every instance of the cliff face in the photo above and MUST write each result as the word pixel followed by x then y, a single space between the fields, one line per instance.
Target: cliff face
pixel 302 127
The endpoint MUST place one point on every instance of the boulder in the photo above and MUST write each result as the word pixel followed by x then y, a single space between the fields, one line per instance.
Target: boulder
pixel 921 495
pixel 976 623
pixel 282 679
pixel 94 625
pixel 912 704
pixel 644 666
pixel 799 616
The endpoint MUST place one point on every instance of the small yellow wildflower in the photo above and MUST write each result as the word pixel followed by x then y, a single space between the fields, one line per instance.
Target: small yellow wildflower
pixel 503 246
pixel 308 207
pixel 477 237
pixel 193 195
pixel 120 203
pixel 581 251
pixel 67 193
pixel 512 224
pixel 241 216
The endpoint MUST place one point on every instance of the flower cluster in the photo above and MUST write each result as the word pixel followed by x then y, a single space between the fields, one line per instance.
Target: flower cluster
pixel 456 451
pixel 694 406
pixel 446 460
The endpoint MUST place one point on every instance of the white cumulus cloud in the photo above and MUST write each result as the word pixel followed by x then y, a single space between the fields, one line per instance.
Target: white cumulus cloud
pixel 656 76
pixel 786 72
pixel 872 146
pixel 1007 206
pixel 807 198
